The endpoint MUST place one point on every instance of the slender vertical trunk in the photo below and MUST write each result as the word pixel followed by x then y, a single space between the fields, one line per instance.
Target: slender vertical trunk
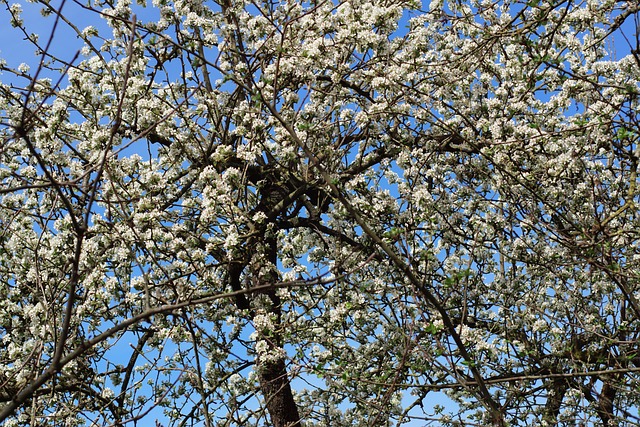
pixel 556 390
pixel 605 404
pixel 274 379
pixel 276 389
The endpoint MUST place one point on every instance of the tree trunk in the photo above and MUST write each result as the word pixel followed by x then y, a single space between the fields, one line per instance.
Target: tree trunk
pixel 276 389
pixel 274 380
pixel 605 404
pixel 556 390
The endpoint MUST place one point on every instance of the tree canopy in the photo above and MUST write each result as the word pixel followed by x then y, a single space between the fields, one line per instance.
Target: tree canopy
pixel 321 213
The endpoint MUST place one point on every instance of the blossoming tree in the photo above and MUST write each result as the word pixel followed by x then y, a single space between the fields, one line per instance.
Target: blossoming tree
pixel 321 213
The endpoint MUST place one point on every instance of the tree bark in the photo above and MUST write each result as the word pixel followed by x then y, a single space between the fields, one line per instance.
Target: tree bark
pixel 605 404
pixel 557 389
pixel 276 389
pixel 275 384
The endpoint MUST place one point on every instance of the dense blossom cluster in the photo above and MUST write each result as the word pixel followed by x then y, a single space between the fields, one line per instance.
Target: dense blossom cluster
pixel 321 213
